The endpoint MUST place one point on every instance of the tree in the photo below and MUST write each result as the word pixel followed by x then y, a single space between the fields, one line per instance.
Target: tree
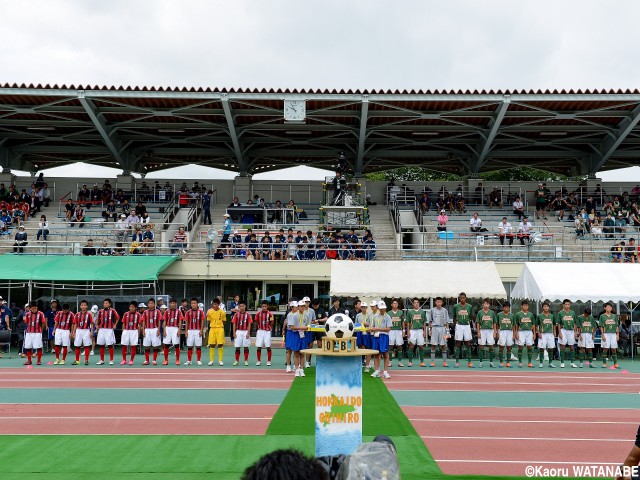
pixel 419 174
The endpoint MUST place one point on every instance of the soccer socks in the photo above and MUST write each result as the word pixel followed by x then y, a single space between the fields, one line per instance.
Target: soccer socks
pixel 165 352
pixel 481 353
pixel 77 354
pixel 220 353
pixel 468 349
pixel 64 353
pixel 177 352
pixel 133 352
pixel 268 354
pixel 550 353
pixel 259 354
pixel 155 355
pixel 189 354
pixel 212 353
pixel 57 350
pixel 530 353
pixel 39 354
pixel 444 356
pixel 198 353
pixel 457 353
pixel 562 355
pixel 433 355
pixel 237 354
pixel 491 354
pixel 87 350
pixel 146 355
pixel 29 355
pixel 246 354
pixel 124 352
pixel 111 352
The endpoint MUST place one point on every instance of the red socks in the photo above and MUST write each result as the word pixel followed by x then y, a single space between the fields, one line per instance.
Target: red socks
pixel 199 353
pixel 166 353
pixel 155 355
pixel 237 354
pixel 177 353
pixel 146 355
pixel 189 353
pixel 102 354
pixel 259 354
pixel 111 352
pixel 124 353
pixel 29 355
pixel 268 354
pixel 77 354
pixel 87 350
pixel 39 355
pixel 246 354
pixel 133 352
pixel 64 353
pixel 57 350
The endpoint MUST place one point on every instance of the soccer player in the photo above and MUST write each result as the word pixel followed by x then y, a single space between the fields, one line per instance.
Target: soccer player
pixel 462 322
pixel 396 333
pixel 296 325
pixel 131 321
pixel 264 320
pixel 586 329
pixel 62 333
pixel 36 324
pixel 566 323
pixel 216 318
pixel 107 322
pixel 487 329
pixel 610 327
pixel 195 331
pixel 525 327
pixel 81 332
pixel 382 325
pixel 506 326
pixel 242 330
pixel 173 319
pixel 416 326
pixel 152 324
pixel 438 331
pixel 545 327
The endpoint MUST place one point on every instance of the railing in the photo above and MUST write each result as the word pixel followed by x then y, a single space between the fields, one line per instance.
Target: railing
pixel 507 194
pixel 149 193
pixel 284 193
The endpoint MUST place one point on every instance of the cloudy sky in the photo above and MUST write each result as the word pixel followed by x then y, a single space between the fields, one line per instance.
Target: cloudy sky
pixel 406 44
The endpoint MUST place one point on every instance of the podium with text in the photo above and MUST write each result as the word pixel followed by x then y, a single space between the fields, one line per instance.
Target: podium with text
pixel 338 399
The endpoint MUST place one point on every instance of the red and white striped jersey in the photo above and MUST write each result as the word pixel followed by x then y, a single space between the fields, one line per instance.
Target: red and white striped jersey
pixel 131 321
pixel 107 318
pixel 83 321
pixel 152 318
pixel 35 321
pixel 242 321
pixel 263 320
pixel 195 319
pixel 64 320
pixel 173 318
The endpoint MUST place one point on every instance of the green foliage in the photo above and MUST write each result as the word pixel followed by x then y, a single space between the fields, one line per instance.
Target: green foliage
pixel 411 174
pixel 419 174
pixel 524 174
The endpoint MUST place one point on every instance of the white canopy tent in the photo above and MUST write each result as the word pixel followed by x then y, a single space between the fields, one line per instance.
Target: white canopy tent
pixel 415 279
pixel 579 282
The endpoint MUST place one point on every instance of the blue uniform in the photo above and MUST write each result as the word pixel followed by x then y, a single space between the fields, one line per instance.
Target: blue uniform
pixel 381 342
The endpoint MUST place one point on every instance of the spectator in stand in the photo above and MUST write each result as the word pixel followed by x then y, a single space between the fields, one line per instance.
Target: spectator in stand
pixel 46 195
pixel 226 232
pixel 460 203
pixel 107 193
pixel 475 224
pixel 104 250
pixel 119 198
pixel 617 252
pixel 524 230
pixel 89 250
pixel 235 203
pixel 479 191
pixel 133 220
pixel 236 242
pixel 78 217
pixel 179 241
pixel 20 240
pixel 24 196
pixel 631 252
pixel 140 208
pixel 110 212
pixel 608 226
pixel 43 228
pixel 495 198
pixel 424 202
pixel 34 204
pixel 581 223
pixel 125 207
pixel 518 208
pixel 451 202
pixel 84 194
pixel 95 196
pixel 369 248
pixel 121 227
pixel 40 180
pixel 559 205
pixel 119 251
pixel 5 222
pixel 68 209
pixel 148 239
pixel 18 215
pixel 505 230
pixel 540 195
pixel 442 221
pixel 206 207
pixel 620 227
pixel 146 220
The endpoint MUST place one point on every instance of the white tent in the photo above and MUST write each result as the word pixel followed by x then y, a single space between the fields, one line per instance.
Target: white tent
pixel 415 279
pixel 579 282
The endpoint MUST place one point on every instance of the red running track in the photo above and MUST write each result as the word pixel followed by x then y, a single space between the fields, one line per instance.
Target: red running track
pixel 514 381
pixel 503 441
pixel 119 419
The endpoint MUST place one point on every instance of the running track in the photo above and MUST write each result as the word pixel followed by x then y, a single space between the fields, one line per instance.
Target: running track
pixel 497 440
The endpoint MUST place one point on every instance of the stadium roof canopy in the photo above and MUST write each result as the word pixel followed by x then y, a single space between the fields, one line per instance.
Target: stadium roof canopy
pixel 150 129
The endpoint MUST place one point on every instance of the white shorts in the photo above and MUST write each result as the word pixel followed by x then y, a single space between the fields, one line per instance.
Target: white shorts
pixel 129 338
pixel 505 338
pixel 525 337
pixel 547 341
pixel 463 333
pixel 609 340
pixel 437 336
pixel 171 337
pixel 568 338
pixel 241 339
pixel 263 338
pixel 586 340
pixel 106 336
pixel 152 338
pixel 486 338
pixel 83 338
pixel 62 337
pixel 193 338
pixel 32 340
pixel 395 338
pixel 416 337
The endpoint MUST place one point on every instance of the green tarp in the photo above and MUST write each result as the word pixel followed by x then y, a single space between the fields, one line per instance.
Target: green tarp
pixel 106 269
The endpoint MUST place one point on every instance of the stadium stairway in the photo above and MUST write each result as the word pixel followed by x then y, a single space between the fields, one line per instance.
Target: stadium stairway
pixel 383 231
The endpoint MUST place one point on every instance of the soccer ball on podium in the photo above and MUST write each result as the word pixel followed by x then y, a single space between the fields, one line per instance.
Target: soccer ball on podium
pixel 339 326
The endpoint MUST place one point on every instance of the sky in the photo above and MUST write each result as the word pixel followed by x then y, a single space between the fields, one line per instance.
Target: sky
pixel 408 44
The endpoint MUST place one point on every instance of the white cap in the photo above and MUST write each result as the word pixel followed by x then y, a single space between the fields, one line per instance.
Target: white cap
pixel 235 231
pixel 373 303
pixel 301 303
pixel 306 299
pixel 95 309
pixel 226 215
pixel 293 303
pixel 163 307
pixel 122 215
pixel 381 304
pixel 159 299
pixel 26 305
pixel 142 305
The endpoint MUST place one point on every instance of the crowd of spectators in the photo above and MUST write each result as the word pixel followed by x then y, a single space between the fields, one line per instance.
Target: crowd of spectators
pixel 16 207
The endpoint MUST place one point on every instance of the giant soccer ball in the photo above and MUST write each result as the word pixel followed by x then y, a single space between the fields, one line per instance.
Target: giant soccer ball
pixel 339 326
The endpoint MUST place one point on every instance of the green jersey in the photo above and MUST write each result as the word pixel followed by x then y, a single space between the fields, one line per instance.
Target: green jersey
pixel 416 319
pixel 609 324
pixel 505 321
pixel 462 313
pixel 566 320
pixel 587 324
pixel 525 321
pixel 486 320
pixel 540 195
pixel 546 323
pixel 396 319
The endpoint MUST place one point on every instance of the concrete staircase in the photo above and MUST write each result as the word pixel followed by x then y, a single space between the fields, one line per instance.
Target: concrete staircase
pixel 384 232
